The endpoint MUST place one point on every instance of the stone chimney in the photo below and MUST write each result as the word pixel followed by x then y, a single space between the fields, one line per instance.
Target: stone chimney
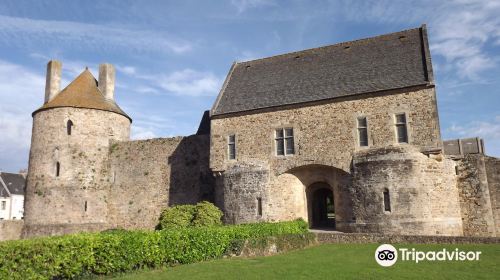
pixel 107 80
pixel 53 82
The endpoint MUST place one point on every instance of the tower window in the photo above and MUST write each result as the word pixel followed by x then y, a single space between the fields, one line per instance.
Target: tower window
pixel 69 126
pixel 85 206
pixel 362 132
pixel 387 201
pixel 401 129
pixel 259 206
pixel 284 142
pixel 58 169
pixel 231 146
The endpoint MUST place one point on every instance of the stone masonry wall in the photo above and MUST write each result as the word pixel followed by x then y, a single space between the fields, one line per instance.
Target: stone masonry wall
pixel 242 185
pixel 11 230
pixel 422 191
pixel 78 196
pixel 326 133
pixel 150 175
pixel 493 175
pixel 475 201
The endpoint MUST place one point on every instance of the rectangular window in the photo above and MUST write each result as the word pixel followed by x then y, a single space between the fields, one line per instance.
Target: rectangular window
pixel 4 205
pixel 231 146
pixel 401 130
pixel 284 142
pixel 362 132
pixel 259 206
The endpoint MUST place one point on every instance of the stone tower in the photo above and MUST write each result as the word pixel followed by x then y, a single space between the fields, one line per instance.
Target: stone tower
pixel 68 179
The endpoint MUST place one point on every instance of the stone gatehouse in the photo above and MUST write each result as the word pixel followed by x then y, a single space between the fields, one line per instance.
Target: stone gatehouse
pixel 344 136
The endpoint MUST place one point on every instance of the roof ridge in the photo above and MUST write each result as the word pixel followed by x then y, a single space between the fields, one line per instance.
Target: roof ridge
pixel 332 45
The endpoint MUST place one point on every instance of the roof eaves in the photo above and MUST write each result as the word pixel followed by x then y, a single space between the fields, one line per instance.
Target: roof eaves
pixel 224 85
pixel 228 114
pixel 82 107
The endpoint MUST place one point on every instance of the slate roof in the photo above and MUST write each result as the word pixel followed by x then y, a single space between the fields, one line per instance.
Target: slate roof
pixel 391 61
pixel 83 92
pixel 14 182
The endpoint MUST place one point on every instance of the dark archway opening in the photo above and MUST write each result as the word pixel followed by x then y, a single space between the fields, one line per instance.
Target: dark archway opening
pixel 323 208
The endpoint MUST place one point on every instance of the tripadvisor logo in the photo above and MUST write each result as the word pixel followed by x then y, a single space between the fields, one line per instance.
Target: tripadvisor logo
pixel 387 255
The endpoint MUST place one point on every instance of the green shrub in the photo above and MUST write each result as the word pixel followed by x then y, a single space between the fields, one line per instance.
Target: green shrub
pixel 109 252
pixel 183 216
pixel 206 214
pixel 176 217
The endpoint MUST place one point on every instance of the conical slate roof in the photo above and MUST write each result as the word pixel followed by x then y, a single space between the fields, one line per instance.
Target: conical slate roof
pixel 83 92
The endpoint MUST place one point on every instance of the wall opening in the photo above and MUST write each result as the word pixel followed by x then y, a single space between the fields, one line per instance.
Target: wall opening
pixel 58 169
pixel 387 201
pixel 231 146
pixel 69 126
pixel 259 206
pixel 362 132
pixel 401 129
pixel 322 206
pixel 85 206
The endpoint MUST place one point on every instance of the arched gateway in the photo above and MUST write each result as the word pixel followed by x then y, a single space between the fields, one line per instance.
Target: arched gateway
pixel 327 201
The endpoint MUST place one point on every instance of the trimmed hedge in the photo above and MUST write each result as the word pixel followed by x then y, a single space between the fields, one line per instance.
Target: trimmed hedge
pixel 269 245
pixel 103 253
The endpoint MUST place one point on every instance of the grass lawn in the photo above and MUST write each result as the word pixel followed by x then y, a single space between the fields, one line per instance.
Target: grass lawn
pixel 340 261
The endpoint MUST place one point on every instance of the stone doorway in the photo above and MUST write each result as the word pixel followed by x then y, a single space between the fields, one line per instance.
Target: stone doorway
pixel 322 206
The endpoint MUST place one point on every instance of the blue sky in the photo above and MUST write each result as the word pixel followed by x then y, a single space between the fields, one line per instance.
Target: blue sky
pixel 172 56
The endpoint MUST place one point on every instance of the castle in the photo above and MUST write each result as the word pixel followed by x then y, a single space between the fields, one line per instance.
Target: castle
pixel 344 136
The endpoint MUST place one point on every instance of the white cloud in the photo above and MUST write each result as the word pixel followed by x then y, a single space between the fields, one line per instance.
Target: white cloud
pixel 460 30
pixel 129 70
pixel 141 133
pixel 189 82
pixel 243 5
pixel 248 55
pixel 21 92
pixel 88 36
pixel 148 126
